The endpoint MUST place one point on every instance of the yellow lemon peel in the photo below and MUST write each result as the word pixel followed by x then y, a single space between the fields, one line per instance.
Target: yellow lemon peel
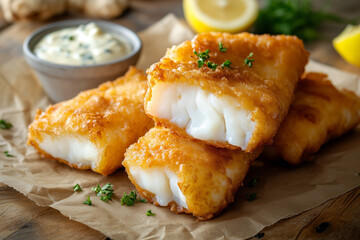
pixel 220 15
pixel 347 44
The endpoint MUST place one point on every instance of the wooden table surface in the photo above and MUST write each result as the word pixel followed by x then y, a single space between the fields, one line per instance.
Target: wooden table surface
pixel 20 218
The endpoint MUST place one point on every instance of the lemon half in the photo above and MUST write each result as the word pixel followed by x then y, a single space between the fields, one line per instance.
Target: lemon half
pixel 220 15
pixel 347 44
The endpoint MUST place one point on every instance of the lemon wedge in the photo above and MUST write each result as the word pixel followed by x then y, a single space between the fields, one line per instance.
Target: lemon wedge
pixel 347 44
pixel 220 15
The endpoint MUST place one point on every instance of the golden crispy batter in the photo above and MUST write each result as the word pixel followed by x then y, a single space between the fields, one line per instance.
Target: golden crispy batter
pixel 111 116
pixel 208 177
pixel 265 89
pixel 319 113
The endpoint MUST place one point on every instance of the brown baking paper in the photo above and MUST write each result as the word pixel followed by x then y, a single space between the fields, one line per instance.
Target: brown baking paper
pixel 282 191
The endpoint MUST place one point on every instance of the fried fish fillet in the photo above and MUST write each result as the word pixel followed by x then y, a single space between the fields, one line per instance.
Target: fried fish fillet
pixel 320 112
pixel 93 130
pixel 237 107
pixel 186 175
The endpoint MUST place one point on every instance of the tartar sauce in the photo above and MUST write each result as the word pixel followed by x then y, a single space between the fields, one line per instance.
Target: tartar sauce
pixel 84 45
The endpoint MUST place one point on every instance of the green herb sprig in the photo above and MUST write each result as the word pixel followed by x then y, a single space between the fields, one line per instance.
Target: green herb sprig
pixel 222 48
pixel 88 201
pixel 292 17
pixel 7 154
pixel 105 193
pixel 131 199
pixel 77 188
pixel 5 125
pixel 212 65
pixel 248 61
pixel 203 56
pixel 227 64
pixel 149 213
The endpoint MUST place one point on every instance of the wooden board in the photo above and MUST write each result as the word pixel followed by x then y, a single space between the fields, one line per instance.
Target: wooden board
pixel 23 219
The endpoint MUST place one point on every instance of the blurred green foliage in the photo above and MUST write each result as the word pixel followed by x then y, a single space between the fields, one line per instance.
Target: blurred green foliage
pixel 293 17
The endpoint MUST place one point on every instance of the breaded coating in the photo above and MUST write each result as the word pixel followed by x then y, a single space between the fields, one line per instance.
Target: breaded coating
pixel 93 130
pixel 186 175
pixel 237 107
pixel 320 112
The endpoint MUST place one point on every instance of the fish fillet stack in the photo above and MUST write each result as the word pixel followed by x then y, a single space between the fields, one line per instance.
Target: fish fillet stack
pixel 212 120
pixel 211 124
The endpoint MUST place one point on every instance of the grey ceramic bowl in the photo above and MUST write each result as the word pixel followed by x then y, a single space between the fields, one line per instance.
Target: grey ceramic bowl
pixel 62 82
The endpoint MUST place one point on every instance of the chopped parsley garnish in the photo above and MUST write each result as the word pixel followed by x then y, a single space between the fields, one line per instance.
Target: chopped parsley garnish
pixel 105 198
pixel 227 64
pixel 203 56
pixel 97 188
pixel 222 48
pixel 248 61
pixel 149 213
pixel 71 38
pixel 4 124
pixel 212 65
pixel 251 197
pixel 7 154
pixel 77 188
pixel 253 182
pixel 88 201
pixel 131 199
pixel 105 193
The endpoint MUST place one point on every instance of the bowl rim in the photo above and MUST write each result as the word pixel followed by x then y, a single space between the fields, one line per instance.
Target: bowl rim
pixel 51 27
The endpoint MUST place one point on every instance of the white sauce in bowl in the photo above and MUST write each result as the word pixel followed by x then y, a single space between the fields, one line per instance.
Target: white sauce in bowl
pixel 84 45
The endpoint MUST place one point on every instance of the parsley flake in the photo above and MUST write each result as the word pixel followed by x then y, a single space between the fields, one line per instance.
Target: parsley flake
pixel 212 65
pixel 88 201
pixel 131 199
pixel 77 188
pixel 7 154
pixel 251 197
pixel 5 125
pixel 253 182
pixel 149 213
pixel 248 61
pixel 203 56
pixel 105 193
pixel 97 188
pixel 222 48
pixel 227 64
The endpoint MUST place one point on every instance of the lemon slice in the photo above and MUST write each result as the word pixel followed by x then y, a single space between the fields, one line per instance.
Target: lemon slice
pixel 347 44
pixel 220 15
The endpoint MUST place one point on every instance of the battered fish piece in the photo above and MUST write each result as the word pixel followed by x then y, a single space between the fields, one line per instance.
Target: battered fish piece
pixel 237 107
pixel 93 130
pixel 320 112
pixel 185 175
